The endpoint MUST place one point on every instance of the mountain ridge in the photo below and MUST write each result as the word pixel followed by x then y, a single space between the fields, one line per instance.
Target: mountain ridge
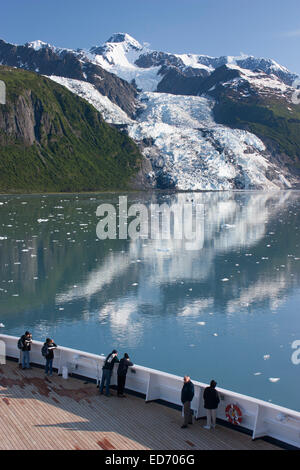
pixel 237 94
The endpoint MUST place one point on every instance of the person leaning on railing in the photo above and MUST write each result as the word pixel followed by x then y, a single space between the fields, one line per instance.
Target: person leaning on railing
pixel 122 372
pixel 107 371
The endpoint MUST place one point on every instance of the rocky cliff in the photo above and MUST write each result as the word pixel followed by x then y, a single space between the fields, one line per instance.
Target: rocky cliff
pixel 52 140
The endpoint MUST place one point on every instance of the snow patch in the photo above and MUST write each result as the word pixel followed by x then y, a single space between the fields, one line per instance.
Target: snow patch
pixel 111 112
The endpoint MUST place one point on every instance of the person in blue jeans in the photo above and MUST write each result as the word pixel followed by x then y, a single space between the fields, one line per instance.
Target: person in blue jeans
pixel 49 346
pixel 26 340
pixel 107 369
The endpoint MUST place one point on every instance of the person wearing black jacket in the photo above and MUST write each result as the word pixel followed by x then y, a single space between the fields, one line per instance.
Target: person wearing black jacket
pixel 122 372
pixel 211 402
pixel 187 395
pixel 107 371
pixel 26 341
pixel 49 346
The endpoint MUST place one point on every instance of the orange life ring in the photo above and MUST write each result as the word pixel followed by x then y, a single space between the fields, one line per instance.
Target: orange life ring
pixel 233 414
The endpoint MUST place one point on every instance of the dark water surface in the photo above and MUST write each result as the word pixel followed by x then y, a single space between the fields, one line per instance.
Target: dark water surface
pixel 228 310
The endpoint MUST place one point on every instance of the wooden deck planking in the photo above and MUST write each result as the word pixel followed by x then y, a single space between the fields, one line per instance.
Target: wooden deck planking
pixel 53 413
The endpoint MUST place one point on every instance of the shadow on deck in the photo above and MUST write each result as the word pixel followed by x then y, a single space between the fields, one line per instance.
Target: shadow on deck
pixel 38 412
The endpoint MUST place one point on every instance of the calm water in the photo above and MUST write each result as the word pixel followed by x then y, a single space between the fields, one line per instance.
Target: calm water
pixel 229 310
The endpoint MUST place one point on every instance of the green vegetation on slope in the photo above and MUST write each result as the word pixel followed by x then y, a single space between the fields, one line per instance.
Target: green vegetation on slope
pixel 52 140
pixel 275 121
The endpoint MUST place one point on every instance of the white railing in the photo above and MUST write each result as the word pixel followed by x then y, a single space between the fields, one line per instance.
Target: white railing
pixel 258 416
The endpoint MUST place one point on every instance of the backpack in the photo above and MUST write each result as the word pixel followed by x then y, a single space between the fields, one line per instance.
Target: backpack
pixel 45 350
pixel 20 343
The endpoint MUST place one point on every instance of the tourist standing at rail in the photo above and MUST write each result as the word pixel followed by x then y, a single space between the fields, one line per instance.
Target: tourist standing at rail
pixel 187 395
pixel 107 371
pixel 211 402
pixel 48 353
pixel 122 372
pixel 24 345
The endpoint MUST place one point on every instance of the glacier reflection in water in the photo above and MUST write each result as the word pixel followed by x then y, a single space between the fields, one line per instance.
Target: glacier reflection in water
pixel 228 310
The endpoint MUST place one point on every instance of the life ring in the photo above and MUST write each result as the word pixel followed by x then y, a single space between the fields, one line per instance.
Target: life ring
pixel 233 414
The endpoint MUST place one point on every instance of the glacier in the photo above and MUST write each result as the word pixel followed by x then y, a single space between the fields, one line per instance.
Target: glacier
pixel 195 153
pixel 177 134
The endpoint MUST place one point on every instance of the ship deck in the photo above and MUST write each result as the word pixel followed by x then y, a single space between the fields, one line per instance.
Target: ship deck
pixel 38 412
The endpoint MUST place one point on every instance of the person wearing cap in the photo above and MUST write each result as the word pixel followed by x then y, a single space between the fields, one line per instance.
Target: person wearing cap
pixel 211 402
pixel 187 395
pixel 107 371
pixel 122 372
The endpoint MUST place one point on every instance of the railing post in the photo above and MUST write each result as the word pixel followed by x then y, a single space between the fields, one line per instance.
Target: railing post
pixel 152 389
pixel 259 429
pixel 200 411
pixel 59 369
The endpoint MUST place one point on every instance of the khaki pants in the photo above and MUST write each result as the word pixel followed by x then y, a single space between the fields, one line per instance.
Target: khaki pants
pixel 187 413
pixel 211 417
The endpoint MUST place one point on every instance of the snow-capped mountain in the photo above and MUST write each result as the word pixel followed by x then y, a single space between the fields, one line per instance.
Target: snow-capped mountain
pixel 130 60
pixel 201 122
pixel 45 59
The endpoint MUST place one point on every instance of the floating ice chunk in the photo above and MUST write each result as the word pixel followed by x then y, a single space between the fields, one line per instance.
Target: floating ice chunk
pixel 257 373
pixel 267 356
pixel 274 379
pixel 215 334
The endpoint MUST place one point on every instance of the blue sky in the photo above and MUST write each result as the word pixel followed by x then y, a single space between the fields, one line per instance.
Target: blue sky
pixel 265 28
